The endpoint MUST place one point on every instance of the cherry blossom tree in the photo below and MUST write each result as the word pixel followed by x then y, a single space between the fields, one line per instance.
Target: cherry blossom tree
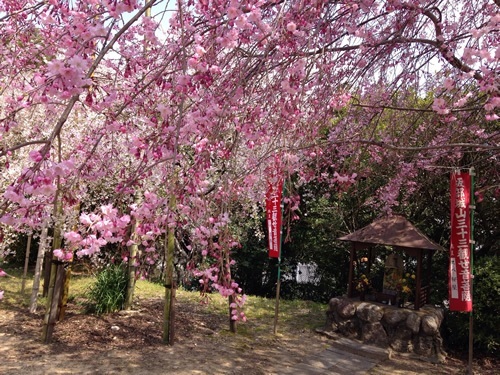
pixel 193 105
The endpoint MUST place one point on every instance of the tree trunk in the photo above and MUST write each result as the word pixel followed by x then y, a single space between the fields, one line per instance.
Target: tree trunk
pixel 53 300
pixel 56 276
pixel 227 269
pixel 42 245
pixel 26 262
pixel 232 323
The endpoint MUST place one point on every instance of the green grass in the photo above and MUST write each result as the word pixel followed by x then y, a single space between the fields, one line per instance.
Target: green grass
pixel 294 315
pixel 11 285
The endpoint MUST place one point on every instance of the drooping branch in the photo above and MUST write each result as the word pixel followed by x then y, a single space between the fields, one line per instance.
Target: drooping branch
pixel 446 52
pixel 5 151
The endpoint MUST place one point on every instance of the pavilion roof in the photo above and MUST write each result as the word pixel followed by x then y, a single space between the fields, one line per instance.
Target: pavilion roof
pixel 393 230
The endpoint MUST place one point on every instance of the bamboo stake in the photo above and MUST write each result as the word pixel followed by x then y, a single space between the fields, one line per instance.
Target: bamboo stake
pixel 227 268
pixel 42 245
pixel 67 274
pixel 132 258
pixel 26 261
pixel 168 316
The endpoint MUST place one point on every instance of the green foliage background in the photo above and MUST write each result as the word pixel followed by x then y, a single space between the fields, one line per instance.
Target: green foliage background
pixel 326 215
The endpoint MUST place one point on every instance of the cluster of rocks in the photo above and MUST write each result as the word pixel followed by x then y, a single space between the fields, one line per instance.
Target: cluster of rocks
pixel 401 329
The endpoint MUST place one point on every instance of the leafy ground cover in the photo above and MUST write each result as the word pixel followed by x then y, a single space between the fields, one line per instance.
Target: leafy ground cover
pixel 130 342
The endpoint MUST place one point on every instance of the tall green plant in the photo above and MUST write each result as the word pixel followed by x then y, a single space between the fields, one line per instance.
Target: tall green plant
pixel 108 292
pixel 486 311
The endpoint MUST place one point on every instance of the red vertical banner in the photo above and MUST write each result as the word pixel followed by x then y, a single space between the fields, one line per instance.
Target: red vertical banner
pixel 273 218
pixel 460 294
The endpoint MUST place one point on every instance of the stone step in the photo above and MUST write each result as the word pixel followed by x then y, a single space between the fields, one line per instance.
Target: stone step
pixel 344 357
pixel 359 348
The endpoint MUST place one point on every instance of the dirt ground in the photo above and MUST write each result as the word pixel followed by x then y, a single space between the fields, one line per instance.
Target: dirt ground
pixel 130 343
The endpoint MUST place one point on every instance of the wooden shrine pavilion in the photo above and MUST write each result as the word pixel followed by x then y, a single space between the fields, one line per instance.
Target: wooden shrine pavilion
pixel 404 238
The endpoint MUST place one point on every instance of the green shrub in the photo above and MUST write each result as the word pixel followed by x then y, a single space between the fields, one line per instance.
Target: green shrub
pixel 486 311
pixel 108 292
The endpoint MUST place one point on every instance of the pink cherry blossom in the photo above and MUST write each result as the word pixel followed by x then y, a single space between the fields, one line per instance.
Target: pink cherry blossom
pixel 106 105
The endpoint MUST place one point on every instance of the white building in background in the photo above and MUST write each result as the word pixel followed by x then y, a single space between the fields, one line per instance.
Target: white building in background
pixel 307 273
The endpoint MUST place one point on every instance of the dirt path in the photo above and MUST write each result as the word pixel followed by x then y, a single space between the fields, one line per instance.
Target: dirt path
pixel 131 344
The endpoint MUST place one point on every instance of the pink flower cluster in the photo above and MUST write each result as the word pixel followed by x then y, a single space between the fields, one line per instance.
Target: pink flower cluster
pixel 99 230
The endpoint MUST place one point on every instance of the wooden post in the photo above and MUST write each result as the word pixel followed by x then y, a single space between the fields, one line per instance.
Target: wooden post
pixel 351 270
pixel 63 303
pixel 471 247
pixel 419 281
pixel 46 273
pixel 277 305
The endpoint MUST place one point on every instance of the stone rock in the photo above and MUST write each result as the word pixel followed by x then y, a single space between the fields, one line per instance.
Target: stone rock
pixel 439 313
pixel 346 309
pixel 332 304
pixel 430 310
pixel 393 316
pixel 369 312
pixel 424 345
pixel 374 333
pixel 331 314
pixel 402 330
pixel 413 322
pixel 400 340
pixel 430 325
pixel 348 328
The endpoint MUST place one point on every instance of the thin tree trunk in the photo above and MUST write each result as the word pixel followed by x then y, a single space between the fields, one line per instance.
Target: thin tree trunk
pixel 42 245
pixel 232 323
pixel 56 268
pixel 53 300
pixel 26 262
pixel 55 284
